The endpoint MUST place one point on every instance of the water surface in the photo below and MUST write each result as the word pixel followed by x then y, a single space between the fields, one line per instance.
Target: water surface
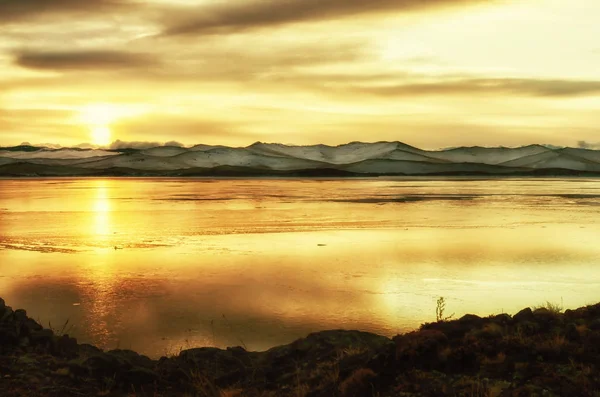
pixel 158 265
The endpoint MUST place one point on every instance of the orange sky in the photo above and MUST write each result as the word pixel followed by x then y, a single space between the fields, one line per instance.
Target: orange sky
pixel 454 72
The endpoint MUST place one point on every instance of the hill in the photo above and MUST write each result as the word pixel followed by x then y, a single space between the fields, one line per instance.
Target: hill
pixel 265 159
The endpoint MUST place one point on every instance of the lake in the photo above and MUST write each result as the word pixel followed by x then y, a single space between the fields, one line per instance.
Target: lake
pixel 160 265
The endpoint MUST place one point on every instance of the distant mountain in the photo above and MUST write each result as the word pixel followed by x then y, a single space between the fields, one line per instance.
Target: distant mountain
pixel 264 159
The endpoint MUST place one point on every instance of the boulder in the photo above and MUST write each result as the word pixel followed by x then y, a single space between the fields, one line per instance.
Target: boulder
pixel 524 315
pixel 546 318
pixel 8 315
pixel 66 346
pixel 130 358
pixel 501 319
pixel 139 376
pixel 43 338
pixel 20 315
pixel 88 350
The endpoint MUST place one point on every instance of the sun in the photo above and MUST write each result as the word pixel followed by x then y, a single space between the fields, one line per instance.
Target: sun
pixel 100 135
pixel 101 119
pixel 98 117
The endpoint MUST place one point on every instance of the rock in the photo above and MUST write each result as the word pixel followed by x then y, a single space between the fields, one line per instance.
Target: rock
pixel 43 337
pixel 20 315
pixel 8 336
pixel 101 365
pixel 502 319
pixel 131 359
pixel 29 325
pixel 594 310
pixel 578 314
pixel 524 315
pixel 139 376
pixel 87 350
pixel 217 364
pixel 470 318
pixel 237 350
pixel 7 316
pixel 64 345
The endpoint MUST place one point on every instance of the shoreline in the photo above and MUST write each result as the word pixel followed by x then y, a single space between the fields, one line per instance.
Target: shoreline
pixel 534 352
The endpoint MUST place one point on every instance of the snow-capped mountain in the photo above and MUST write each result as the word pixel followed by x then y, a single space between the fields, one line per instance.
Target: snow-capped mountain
pixel 356 158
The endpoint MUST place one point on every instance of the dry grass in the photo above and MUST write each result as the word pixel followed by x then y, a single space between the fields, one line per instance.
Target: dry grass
pixel 552 307
pixel 498 359
pixel 358 383
pixel 231 393
pixel 203 386
pixel 353 351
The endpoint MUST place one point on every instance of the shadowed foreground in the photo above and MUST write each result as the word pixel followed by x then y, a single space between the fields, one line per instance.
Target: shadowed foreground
pixel 532 353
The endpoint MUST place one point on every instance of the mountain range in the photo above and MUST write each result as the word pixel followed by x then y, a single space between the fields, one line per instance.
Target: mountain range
pixel 272 159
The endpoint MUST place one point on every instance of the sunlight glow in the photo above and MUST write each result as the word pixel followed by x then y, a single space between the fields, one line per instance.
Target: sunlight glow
pixel 101 135
pixel 98 118
pixel 100 114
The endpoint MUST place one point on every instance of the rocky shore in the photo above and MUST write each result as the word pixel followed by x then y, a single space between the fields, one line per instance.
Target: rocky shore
pixel 540 352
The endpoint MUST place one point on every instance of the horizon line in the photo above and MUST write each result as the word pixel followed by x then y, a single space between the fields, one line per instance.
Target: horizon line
pixel 144 145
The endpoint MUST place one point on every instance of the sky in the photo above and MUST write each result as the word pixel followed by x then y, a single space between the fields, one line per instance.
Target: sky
pixel 433 74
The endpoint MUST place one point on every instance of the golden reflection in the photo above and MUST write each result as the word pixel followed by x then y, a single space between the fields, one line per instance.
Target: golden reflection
pixel 101 211
pixel 291 268
pixel 101 280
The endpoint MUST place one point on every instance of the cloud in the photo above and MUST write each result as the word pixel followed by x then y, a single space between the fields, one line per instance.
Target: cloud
pixel 22 10
pixel 83 60
pixel 532 87
pixel 239 16
pixel 118 144
pixel 588 145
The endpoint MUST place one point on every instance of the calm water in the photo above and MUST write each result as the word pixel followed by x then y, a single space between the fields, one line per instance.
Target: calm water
pixel 157 265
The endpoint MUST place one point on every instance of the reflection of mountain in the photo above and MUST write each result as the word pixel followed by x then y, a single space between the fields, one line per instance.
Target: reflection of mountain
pixel 356 158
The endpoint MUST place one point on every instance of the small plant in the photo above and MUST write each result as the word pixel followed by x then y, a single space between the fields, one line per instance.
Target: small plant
pixel 439 310
pixel 551 307
pixel 64 330
pixel 108 385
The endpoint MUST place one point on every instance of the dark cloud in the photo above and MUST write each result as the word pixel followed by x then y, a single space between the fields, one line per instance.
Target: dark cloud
pixel 21 10
pixel 532 87
pixel 83 60
pixel 588 145
pixel 238 16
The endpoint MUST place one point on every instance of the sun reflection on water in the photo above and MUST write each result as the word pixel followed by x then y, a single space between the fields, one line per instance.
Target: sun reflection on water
pixel 101 208
pixel 101 280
